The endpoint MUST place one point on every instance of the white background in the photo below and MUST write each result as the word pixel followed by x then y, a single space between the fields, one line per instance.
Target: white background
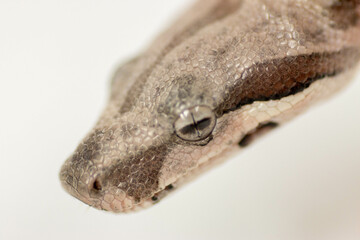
pixel 56 58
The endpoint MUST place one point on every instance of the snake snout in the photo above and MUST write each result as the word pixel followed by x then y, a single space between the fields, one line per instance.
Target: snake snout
pixel 87 189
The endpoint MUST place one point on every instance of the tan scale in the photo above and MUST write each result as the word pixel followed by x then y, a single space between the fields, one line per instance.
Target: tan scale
pixel 225 70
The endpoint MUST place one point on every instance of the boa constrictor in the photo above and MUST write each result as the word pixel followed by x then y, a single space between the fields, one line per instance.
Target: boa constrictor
pixel 224 73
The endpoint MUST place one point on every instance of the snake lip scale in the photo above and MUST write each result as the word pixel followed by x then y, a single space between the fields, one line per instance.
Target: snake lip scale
pixel 225 73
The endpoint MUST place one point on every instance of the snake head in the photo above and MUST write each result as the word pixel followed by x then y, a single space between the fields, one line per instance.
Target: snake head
pixel 186 103
pixel 137 159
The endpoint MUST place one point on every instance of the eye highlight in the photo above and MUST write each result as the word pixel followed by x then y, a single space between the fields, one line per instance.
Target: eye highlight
pixel 195 123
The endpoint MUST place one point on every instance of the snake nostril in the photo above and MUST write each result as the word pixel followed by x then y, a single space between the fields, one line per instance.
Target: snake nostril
pixel 97 185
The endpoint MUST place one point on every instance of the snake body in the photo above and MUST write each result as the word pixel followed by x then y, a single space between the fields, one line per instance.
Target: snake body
pixel 223 74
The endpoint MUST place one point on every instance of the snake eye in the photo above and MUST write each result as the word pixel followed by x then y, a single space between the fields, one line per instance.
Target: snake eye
pixel 195 123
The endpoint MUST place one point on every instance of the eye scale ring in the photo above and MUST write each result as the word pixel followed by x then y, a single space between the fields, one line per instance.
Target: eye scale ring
pixel 195 123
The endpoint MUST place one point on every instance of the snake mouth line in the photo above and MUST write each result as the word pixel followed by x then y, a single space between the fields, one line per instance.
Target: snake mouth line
pixel 195 172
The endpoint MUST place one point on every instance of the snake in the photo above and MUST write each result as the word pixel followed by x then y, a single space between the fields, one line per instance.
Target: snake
pixel 223 74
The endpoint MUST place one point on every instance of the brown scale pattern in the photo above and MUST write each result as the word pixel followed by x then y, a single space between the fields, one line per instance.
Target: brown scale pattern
pixel 279 78
pixel 215 14
pixel 138 176
pixel 222 54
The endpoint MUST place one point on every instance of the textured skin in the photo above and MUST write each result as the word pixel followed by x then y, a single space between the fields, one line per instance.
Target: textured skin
pixel 251 61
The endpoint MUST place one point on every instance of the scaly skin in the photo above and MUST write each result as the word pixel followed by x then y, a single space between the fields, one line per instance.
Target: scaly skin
pixel 227 69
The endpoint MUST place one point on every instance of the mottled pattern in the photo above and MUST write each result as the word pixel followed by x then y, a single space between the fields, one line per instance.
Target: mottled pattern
pixel 247 62
pixel 219 10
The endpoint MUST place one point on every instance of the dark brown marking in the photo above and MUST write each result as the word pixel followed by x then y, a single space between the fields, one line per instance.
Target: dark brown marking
pixel 138 176
pixel 221 10
pixel 345 13
pixel 282 77
pixel 257 132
